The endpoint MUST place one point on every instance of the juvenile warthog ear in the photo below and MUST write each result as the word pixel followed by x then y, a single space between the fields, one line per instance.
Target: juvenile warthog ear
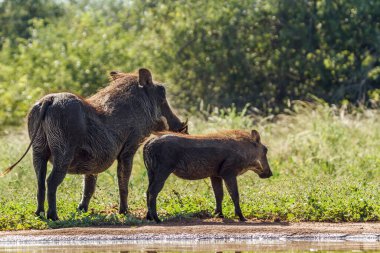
pixel 114 74
pixel 185 127
pixel 255 136
pixel 145 77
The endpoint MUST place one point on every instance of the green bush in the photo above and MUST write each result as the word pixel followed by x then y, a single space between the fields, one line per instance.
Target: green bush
pixel 265 53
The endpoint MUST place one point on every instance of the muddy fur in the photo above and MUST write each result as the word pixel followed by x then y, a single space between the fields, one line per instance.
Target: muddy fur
pixel 220 156
pixel 85 136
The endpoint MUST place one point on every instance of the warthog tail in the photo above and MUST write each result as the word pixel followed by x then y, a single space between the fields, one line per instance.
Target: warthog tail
pixel 149 161
pixel 44 108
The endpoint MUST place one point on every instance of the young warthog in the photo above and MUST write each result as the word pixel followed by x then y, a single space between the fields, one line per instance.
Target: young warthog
pixel 85 136
pixel 220 156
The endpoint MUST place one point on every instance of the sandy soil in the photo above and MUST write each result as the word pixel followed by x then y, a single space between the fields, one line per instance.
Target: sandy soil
pixel 212 228
pixel 198 235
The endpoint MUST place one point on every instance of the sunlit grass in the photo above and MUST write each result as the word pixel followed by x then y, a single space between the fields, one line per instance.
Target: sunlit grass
pixel 326 166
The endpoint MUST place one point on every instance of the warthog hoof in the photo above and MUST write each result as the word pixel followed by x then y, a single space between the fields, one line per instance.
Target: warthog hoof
pixel 83 208
pixel 148 216
pixel 123 211
pixel 52 215
pixel 218 214
pixel 155 217
pixel 242 219
pixel 40 213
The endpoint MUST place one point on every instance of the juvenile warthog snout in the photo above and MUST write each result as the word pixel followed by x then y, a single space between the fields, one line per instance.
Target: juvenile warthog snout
pixel 266 171
pixel 266 174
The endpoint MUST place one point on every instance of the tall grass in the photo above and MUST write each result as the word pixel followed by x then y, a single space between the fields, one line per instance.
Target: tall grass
pixel 325 160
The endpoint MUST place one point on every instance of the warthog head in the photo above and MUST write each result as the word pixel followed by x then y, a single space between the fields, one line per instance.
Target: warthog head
pixel 157 94
pixel 157 103
pixel 260 163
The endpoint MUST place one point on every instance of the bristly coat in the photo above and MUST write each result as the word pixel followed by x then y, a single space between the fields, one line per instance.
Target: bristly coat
pixel 85 136
pixel 220 156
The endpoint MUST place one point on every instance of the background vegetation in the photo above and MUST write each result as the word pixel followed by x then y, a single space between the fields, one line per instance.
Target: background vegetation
pixel 227 64
pixel 220 52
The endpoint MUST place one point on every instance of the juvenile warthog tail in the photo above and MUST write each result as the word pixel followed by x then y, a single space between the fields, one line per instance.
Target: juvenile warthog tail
pixel 44 108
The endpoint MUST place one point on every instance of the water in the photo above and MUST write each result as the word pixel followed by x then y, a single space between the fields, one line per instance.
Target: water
pixel 193 246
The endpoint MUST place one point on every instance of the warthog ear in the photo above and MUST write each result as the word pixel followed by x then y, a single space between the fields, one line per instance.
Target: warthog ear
pixel 145 77
pixel 115 74
pixel 185 127
pixel 256 136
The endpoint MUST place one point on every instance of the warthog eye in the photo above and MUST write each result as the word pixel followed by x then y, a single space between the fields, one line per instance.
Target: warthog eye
pixel 161 91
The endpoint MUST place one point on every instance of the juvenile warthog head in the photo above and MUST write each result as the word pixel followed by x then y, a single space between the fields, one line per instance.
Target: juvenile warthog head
pixel 157 95
pixel 260 163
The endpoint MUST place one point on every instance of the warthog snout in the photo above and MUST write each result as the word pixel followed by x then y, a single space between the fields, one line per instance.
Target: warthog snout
pixel 173 121
pixel 265 169
pixel 266 174
pixel 261 164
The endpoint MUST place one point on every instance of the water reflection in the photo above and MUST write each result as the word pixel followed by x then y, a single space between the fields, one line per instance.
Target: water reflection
pixel 247 246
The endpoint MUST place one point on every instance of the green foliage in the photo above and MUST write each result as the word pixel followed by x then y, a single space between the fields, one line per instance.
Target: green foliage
pixel 325 162
pixel 16 17
pixel 265 53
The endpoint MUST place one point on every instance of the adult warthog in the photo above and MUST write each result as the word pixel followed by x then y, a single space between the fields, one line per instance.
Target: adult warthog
pixel 85 136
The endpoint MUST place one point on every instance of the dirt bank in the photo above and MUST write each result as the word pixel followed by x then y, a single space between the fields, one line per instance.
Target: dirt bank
pixel 206 230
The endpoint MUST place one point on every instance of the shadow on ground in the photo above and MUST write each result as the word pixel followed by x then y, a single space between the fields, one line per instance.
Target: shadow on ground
pixel 79 219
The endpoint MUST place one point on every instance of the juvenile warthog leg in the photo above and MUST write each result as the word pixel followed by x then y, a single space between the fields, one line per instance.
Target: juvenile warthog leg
pixel 155 186
pixel 61 162
pixel 150 177
pixel 148 216
pixel 89 184
pixel 40 160
pixel 217 186
pixel 232 187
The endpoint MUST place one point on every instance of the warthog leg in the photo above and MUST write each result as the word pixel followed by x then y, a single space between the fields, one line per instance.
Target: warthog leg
pixel 124 169
pixel 156 183
pixel 217 186
pixel 40 160
pixel 89 184
pixel 232 187
pixel 61 162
